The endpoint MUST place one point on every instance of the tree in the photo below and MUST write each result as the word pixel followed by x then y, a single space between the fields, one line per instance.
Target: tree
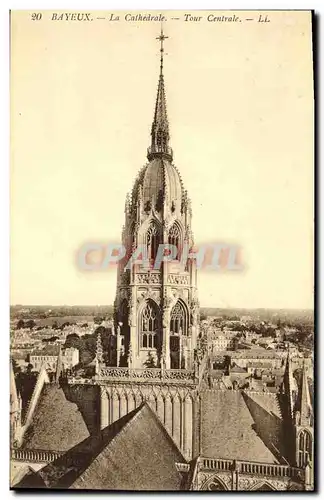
pixel 102 330
pixel 90 345
pixel 51 339
pixel 98 320
pixel 20 324
pixel 30 323
pixel 29 368
pixel 72 340
pixel 150 362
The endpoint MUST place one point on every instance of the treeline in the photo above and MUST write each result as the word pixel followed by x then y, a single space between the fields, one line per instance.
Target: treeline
pixel 30 323
pixel 47 311
pixel 87 344
pixel 287 317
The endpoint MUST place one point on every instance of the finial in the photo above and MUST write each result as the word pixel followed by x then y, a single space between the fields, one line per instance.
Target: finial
pixel 161 38
pixel 99 352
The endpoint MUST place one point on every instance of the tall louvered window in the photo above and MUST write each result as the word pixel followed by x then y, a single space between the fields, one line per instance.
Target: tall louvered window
pixel 305 448
pixel 175 236
pixel 152 241
pixel 179 319
pixel 150 322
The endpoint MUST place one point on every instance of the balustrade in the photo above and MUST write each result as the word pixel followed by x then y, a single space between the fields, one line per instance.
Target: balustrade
pixel 254 468
pixel 34 455
pixel 146 375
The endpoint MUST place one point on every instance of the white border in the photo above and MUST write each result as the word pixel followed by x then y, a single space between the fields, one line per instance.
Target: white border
pixel 317 5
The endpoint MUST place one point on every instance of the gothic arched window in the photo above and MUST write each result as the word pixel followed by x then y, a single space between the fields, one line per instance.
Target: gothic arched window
pixel 304 448
pixel 150 322
pixel 175 236
pixel 179 319
pixel 152 241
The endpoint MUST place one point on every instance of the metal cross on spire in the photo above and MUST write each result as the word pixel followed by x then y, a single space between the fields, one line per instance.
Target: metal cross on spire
pixel 161 38
pixel 160 126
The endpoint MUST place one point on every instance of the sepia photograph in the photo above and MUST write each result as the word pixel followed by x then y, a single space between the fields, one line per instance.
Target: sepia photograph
pixel 162 250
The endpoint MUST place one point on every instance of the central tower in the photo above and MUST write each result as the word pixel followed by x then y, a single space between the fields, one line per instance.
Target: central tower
pixel 156 307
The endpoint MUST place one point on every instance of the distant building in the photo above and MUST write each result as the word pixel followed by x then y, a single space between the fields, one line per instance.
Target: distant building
pixel 220 343
pixel 70 357
pixel 48 358
pixel 245 318
pixel 247 357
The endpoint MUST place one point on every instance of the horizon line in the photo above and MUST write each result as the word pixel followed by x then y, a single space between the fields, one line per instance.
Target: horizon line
pixel 201 307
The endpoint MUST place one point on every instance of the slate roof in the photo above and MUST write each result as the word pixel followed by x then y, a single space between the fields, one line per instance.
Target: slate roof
pixel 134 453
pixel 256 385
pixel 57 423
pixel 268 401
pixel 228 430
pixel 237 369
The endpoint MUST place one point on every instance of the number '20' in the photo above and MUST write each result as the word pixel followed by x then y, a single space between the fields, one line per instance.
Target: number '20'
pixel 36 17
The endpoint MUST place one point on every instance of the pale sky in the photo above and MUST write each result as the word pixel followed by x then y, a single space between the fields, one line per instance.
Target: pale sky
pixel 240 106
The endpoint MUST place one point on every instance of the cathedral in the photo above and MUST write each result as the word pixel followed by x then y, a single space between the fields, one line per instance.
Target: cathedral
pixel 149 418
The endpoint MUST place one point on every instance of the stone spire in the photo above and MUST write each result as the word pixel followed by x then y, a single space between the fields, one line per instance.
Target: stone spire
pixel 303 403
pixel 289 385
pixel 14 398
pixel 160 127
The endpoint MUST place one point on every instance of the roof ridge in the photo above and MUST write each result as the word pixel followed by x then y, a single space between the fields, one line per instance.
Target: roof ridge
pixel 138 411
pixel 117 439
pixel 170 438
pixel 125 426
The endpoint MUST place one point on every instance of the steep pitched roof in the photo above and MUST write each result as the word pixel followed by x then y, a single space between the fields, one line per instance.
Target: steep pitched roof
pixel 266 411
pixel 57 424
pixel 134 453
pixel 228 429
pixel 142 456
pixel 289 384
